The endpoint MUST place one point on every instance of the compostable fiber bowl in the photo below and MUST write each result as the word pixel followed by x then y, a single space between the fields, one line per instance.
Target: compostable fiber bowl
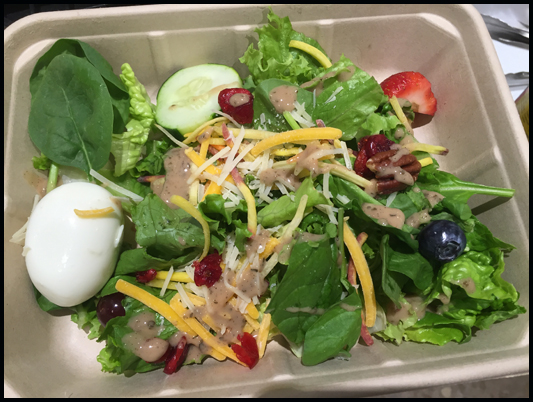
pixel 47 355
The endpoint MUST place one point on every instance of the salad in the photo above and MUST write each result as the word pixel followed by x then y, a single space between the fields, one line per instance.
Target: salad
pixel 294 202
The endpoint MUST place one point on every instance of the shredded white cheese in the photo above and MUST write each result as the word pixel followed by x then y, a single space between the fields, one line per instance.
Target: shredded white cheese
pixel 231 165
pixel 328 209
pixel 116 187
pixel 391 198
pixel 220 154
pixel 269 265
pixel 333 97
pixel 171 137
pixel 235 290
pixel 183 295
pixel 167 281
pixel 343 199
pixel 325 187
pixel 227 116
pixel 20 235
pixel 347 160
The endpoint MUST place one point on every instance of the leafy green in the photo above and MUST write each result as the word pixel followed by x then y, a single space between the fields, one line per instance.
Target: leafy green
pixel 127 147
pixel 311 284
pixel 138 259
pixel 127 182
pixel 274 58
pixel 154 159
pixel 337 329
pixel 86 318
pixel 346 105
pixel 118 93
pixel 71 116
pixel 43 302
pixel 263 107
pixel 166 233
pixel 284 209
pixel 41 162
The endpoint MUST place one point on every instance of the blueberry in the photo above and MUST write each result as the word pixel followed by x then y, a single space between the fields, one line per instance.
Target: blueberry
pixel 441 241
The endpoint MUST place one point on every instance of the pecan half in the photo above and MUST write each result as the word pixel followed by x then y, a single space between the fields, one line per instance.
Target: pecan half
pixel 389 166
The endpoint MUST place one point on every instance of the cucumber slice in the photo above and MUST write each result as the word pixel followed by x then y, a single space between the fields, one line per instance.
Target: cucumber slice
pixel 188 98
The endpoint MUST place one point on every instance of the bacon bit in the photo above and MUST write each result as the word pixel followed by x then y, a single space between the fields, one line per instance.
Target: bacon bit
pixel 178 357
pixel 208 271
pixel 364 332
pixel 351 273
pixel 146 276
pixel 247 352
pixel 320 123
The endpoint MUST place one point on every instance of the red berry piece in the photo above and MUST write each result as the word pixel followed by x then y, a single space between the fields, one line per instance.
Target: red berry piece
pixel 414 87
pixel 247 352
pixel 168 354
pixel 178 357
pixel 368 147
pixel 146 276
pixel 238 103
pixel 208 271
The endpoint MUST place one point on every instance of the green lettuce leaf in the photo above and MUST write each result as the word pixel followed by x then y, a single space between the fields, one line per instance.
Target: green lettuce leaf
pixel 126 147
pixel 274 58
pixel 86 318
pixel 41 162
pixel 153 162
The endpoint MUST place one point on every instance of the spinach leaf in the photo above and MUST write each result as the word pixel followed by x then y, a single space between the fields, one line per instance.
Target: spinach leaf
pixel 310 285
pixel 389 284
pixel 117 91
pixel 263 107
pixel 412 265
pixel 337 330
pixel 284 209
pixel 71 117
pixel 166 233
pixel 138 259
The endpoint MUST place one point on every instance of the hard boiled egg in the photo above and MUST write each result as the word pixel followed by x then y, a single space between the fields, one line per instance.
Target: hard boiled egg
pixel 69 258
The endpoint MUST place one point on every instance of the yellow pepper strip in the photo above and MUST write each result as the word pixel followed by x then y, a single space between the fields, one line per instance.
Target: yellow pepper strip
pixel 209 339
pixel 188 207
pixel 426 161
pixel 176 276
pixel 94 213
pixel 317 133
pixel 155 304
pixel 192 136
pixel 262 338
pixel 313 51
pixel 250 201
pixel 212 188
pixel 364 275
pixel 286 151
pixel 269 247
pixel 430 149
pixel 198 161
pixel 203 149
pixel 399 112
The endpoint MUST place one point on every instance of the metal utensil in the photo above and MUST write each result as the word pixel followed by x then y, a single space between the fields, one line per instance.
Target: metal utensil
pixel 517 79
pixel 501 30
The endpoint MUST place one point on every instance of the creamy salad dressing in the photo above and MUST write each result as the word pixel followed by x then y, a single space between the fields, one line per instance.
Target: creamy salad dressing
pixel 36 181
pixel 178 169
pixel 433 197
pixel 385 216
pixel 283 98
pixel 308 159
pixel 413 305
pixel 309 310
pixel 269 176
pixel 239 99
pixel 143 341
pixel 372 188
pixel 418 218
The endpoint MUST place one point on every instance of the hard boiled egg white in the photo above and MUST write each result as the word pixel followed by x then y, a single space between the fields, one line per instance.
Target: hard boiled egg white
pixel 69 259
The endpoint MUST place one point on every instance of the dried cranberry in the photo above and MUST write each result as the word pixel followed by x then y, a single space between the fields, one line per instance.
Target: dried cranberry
pixel 207 272
pixel 243 113
pixel 247 352
pixel 145 276
pixel 178 357
pixel 168 354
pixel 368 147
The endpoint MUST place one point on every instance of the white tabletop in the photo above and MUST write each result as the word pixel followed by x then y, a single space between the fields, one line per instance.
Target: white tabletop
pixel 512 58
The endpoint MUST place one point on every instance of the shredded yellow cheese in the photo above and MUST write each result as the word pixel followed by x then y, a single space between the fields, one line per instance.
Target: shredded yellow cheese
pixel 252 311
pixel 94 213
pixel 272 243
pixel 313 51
pixel 316 133
pixel 189 208
pixel 212 188
pixel 399 112
pixel 250 321
pixel 203 149
pixel 209 339
pixel 426 161
pixel 176 276
pixel 248 133
pixel 262 338
pixel 364 274
pixel 155 304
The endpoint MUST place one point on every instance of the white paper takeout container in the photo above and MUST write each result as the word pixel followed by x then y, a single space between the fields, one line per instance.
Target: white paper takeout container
pixel 47 355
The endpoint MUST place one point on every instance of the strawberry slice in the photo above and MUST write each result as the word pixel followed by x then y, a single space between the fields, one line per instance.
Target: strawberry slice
pixel 238 103
pixel 414 87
